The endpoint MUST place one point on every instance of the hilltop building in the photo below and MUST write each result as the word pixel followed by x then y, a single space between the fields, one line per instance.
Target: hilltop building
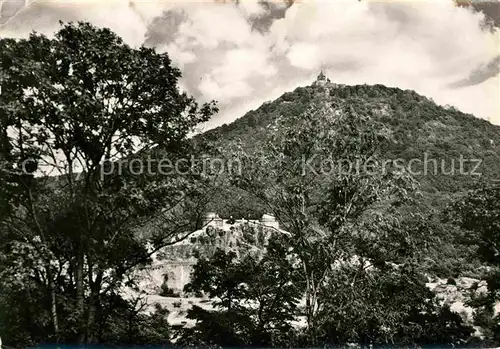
pixel 321 80
pixel 213 219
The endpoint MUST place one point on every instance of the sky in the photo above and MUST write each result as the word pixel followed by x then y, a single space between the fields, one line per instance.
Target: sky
pixel 243 53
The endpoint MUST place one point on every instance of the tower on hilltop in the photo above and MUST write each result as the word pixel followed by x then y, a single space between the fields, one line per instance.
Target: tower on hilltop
pixel 321 80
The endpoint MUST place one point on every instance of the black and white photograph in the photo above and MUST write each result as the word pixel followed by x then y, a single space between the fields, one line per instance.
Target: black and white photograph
pixel 225 174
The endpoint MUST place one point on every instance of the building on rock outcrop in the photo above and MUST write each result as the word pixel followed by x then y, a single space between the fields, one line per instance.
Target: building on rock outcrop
pixel 212 219
pixel 269 221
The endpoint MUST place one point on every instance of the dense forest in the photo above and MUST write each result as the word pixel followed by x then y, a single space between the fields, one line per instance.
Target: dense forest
pixel 84 117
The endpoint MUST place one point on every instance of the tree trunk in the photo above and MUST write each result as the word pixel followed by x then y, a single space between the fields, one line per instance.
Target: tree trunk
pixel 91 319
pixel 94 302
pixel 311 305
pixel 50 280
pixel 80 300
pixel 53 305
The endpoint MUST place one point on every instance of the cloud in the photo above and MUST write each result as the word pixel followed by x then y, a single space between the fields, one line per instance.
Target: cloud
pixel 262 14
pixel 9 8
pixel 491 10
pixel 127 18
pixel 481 74
pixel 243 53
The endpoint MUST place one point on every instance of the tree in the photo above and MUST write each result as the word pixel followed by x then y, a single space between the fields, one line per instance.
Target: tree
pixel 273 289
pixel 387 305
pixel 478 215
pixel 220 278
pixel 255 298
pixel 321 175
pixel 91 110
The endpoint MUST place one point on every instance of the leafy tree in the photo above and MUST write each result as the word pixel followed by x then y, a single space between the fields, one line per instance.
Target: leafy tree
pixel 219 277
pixel 81 105
pixel 478 215
pixel 273 287
pixel 222 280
pixel 320 175
pixel 391 306
pixel 255 298
pixel 354 237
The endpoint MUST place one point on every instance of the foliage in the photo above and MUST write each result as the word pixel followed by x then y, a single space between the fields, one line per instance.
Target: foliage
pixel 321 206
pixel 86 107
pixel 391 306
pixel 256 298
pixel 478 214
pixel 353 245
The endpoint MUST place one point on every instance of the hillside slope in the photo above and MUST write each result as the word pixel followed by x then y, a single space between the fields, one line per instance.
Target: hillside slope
pixel 417 127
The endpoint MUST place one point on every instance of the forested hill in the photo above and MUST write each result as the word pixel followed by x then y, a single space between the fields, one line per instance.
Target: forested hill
pixel 415 124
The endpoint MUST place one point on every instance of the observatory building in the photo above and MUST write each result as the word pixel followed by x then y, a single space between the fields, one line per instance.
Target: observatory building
pixel 214 220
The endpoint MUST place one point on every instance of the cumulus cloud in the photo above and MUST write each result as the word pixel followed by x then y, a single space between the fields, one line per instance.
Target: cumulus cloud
pixel 242 53
pixel 423 46
pixel 481 74
pixel 127 18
